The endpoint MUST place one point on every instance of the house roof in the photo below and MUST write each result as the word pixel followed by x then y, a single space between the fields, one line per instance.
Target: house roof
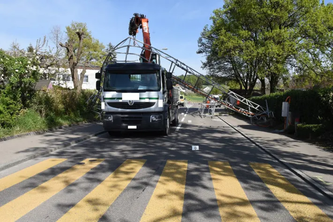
pixel 43 84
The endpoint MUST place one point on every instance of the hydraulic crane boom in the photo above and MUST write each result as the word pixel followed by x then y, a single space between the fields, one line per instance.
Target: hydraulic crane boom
pixel 140 21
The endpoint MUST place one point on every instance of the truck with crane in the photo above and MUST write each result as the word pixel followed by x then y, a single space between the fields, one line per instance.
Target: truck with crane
pixel 137 96
pixel 128 103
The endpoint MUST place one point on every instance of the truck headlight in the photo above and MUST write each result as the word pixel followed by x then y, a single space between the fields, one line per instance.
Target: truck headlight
pixel 155 118
pixel 108 117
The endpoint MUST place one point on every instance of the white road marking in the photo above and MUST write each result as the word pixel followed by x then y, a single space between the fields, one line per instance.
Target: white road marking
pixel 178 127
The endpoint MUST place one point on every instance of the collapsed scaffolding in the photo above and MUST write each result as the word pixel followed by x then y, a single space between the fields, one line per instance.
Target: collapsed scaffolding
pixel 130 50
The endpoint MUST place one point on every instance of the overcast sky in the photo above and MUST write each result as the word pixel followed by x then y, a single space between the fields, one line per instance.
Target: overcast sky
pixel 174 24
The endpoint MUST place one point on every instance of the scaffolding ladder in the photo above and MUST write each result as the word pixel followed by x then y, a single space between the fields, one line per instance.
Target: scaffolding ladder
pixel 130 47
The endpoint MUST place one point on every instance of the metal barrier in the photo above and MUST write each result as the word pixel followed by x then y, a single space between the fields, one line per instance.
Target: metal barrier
pixel 210 107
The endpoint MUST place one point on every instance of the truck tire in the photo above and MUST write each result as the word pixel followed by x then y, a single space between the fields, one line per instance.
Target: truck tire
pixel 167 126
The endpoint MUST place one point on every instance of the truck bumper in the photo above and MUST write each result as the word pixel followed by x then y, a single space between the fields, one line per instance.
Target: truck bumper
pixel 133 121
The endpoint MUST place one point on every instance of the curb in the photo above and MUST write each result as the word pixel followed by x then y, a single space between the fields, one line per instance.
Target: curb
pixel 64 145
pixel 323 190
pixel 44 131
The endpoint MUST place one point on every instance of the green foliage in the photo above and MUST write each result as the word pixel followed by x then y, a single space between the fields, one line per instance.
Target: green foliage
pixel 313 106
pixel 251 39
pixel 64 103
pixel 18 76
pixel 233 84
pixel 309 131
pixel 192 97
pixel 51 109
pixel 29 120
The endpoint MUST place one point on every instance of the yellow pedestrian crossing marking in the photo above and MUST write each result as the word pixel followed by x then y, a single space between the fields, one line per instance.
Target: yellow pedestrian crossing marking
pixel 167 200
pixel 232 202
pixel 166 203
pixel 26 173
pixel 17 208
pixel 95 204
pixel 299 206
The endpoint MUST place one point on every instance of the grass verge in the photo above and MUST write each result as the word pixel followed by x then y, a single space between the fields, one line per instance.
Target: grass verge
pixel 195 98
pixel 31 121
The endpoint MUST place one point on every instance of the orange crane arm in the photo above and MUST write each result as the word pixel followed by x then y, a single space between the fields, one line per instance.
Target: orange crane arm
pixel 140 21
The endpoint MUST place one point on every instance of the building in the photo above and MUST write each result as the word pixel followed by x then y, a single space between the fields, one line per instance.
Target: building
pixel 64 78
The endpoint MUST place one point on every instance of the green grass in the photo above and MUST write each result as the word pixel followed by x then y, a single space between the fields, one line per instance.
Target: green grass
pixel 194 98
pixel 31 121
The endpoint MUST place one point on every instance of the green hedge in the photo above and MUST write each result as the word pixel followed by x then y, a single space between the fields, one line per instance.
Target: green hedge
pixel 306 131
pixel 51 109
pixel 312 106
pixel 64 103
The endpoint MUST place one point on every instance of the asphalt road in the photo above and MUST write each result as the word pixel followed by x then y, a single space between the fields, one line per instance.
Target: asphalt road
pixel 203 171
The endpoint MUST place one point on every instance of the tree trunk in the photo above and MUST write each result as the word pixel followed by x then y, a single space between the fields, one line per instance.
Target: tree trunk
pixel 83 72
pixel 251 87
pixel 263 86
pixel 75 78
pixel 273 82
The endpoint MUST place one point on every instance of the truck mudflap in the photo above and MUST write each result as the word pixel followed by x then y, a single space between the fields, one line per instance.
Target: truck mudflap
pixel 133 121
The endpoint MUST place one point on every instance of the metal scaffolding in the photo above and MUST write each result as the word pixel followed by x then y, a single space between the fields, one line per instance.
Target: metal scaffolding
pixel 131 50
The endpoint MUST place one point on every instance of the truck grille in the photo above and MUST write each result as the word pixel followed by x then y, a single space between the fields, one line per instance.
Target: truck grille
pixel 136 105
pixel 131 120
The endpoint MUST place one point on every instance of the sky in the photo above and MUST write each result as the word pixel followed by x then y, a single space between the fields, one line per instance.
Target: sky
pixel 174 24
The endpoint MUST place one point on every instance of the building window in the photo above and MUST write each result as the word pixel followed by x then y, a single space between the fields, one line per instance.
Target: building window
pixel 66 77
pixel 85 79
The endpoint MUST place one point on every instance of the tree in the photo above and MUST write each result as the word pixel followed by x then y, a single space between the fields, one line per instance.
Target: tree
pixel 259 39
pixel 314 62
pixel 49 59
pixel 81 49
pixel 230 45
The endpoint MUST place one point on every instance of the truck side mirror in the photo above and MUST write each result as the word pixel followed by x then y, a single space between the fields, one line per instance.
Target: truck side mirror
pixel 168 75
pixel 98 75
pixel 98 85
pixel 169 84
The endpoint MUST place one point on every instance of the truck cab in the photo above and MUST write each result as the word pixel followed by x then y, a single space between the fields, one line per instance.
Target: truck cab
pixel 137 97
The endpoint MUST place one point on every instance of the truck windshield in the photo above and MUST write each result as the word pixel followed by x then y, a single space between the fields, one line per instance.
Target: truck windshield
pixel 132 82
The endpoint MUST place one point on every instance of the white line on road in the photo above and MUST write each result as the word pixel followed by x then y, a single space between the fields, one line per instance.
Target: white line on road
pixel 178 127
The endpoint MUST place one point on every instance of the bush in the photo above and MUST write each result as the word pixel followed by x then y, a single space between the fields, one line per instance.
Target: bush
pixel 17 82
pixel 312 106
pixel 309 131
pixel 29 120
pixel 64 104
pixel 51 109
